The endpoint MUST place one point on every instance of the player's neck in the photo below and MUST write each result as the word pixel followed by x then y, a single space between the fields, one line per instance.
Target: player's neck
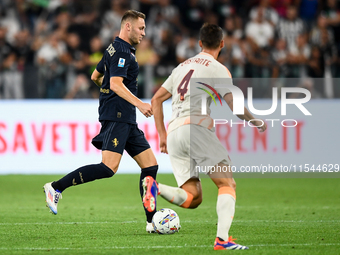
pixel 124 37
pixel 213 53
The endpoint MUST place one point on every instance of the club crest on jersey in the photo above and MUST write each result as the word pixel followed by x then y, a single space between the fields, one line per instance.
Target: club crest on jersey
pixel 121 62
pixel 111 50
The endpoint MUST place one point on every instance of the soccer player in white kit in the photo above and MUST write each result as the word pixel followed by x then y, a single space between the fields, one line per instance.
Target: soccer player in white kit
pixel 191 140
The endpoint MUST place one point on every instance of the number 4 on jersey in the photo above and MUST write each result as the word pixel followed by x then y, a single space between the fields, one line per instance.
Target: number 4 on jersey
pixel 183 86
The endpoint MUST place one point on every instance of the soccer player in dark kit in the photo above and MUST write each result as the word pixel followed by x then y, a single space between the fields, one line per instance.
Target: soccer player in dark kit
pixel 116 75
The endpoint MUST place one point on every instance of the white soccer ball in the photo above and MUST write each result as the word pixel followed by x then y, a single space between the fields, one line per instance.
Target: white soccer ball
pixel 166 221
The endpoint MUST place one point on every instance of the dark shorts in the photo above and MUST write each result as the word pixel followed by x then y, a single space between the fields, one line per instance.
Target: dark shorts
pixel 117 136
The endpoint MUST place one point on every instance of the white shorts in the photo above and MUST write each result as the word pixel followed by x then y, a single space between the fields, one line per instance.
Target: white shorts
pixel 192 145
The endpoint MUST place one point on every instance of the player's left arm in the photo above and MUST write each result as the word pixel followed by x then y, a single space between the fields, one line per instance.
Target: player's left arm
pixel 157 107
pixel 247 115
pixel 97 78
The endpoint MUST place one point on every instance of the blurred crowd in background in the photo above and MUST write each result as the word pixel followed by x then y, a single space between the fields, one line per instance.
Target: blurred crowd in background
pixel 49 48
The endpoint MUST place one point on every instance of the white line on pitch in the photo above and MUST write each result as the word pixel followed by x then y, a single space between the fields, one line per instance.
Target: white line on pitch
pixel 186 221
pixel 68 223
pixel 160 247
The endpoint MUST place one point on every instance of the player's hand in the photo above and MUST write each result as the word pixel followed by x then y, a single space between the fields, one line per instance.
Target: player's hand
pixel 145 109
pixel 163 145
pixel 258 123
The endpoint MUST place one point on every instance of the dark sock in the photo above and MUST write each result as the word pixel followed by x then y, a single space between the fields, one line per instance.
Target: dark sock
pixel 149 171
pixel 82 175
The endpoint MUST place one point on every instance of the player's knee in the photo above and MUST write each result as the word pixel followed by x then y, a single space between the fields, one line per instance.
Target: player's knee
pixel 113 167
pixel 194 199
pixel 197 199
pixel 108 171
pixel 114 170
pixel 196 202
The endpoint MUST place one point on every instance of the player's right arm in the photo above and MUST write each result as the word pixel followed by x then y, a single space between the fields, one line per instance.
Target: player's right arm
pixel 117 86
pixel 247 115
pixel 98 73
pixel 97 78
pixel 157 107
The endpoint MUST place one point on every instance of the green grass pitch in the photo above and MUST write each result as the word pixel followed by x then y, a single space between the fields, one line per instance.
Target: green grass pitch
pixel 273 216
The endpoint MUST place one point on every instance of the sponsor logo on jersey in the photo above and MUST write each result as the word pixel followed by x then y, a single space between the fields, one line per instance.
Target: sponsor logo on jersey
pixel 211 95
pixel 106 91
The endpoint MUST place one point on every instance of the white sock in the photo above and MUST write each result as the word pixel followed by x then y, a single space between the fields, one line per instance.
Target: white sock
pixel 174 195
pixel 225 208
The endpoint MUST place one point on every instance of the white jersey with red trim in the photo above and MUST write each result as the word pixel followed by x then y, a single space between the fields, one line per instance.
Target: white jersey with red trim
pixel 187 97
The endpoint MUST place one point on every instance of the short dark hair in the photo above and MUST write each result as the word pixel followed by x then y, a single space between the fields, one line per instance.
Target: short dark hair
pixel 211 36
pixel 132 14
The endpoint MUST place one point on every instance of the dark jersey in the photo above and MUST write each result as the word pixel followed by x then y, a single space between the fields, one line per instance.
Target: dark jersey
pixel 118 60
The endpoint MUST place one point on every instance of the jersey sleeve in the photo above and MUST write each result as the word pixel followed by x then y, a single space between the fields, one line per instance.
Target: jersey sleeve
pixel 168 84
pixel 100 67
pixel 119 64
